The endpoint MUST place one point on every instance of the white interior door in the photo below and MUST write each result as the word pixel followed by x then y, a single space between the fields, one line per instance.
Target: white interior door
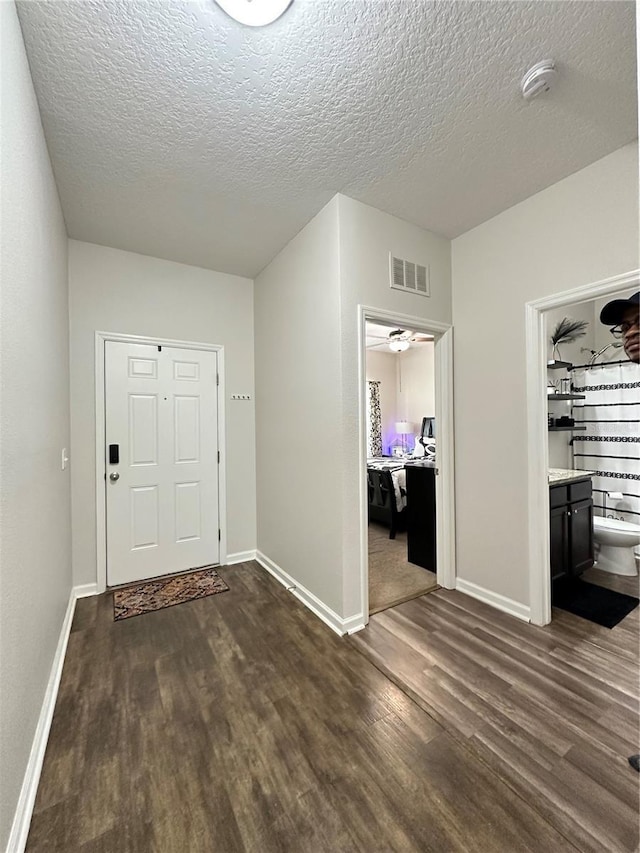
pixel 162 493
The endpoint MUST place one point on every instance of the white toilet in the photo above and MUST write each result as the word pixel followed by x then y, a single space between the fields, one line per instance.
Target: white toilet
pixel 617 539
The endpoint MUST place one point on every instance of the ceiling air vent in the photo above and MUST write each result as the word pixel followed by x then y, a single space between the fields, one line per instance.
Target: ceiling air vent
pixel 409 276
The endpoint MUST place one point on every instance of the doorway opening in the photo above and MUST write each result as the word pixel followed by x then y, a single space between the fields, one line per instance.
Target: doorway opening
pixel 406 451
pixel 571 431
pixel 401 433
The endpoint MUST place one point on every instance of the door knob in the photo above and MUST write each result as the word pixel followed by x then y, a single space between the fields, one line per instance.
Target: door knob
pixel 115 476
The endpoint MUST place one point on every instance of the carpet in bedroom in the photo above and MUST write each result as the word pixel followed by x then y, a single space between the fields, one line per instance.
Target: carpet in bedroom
pixel 392 579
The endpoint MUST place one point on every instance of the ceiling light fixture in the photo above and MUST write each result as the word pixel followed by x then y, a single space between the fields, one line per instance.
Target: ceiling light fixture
pixel 254 13
pixel 398 345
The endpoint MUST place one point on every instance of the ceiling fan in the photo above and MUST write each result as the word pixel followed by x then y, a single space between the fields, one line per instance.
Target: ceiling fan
pixel 399 340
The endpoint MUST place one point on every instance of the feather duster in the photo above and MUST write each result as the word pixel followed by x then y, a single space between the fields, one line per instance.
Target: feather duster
pixel 568 330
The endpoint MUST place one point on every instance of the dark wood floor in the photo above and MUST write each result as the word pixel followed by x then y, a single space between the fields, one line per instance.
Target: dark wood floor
pixel 240 722
pixel 552 711
pixel 618 583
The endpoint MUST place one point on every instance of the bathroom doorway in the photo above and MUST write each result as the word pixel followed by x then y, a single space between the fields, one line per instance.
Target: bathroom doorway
pixel 582 437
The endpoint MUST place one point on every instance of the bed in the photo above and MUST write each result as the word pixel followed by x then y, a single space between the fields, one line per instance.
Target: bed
pixel 386 486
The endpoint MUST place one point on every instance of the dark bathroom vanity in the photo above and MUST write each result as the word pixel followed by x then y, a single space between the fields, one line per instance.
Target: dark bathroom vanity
pixel 571 521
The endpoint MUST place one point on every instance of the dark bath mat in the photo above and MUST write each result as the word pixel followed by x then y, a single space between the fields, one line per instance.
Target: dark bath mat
pixel 595 603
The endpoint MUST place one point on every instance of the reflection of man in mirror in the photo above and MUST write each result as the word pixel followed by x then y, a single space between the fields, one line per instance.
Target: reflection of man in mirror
pixel 624 317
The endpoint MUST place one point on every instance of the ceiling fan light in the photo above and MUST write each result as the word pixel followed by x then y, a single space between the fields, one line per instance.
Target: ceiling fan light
pixel 398 346
pixel 254 13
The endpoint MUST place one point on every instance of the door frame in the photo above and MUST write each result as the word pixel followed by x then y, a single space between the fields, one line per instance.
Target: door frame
pixel 445 482
pixel 537 435
pixel 100 410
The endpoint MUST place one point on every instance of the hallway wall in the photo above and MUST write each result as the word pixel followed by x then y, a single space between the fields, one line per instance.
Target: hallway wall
pixel 115 291
pixel 35 556
pixel 578 231
pixel 298 409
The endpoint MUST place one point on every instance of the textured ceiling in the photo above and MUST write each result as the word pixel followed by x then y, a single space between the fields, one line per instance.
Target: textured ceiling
pixel 176 132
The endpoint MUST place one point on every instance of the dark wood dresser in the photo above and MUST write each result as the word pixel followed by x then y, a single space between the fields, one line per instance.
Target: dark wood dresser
pixel 421 515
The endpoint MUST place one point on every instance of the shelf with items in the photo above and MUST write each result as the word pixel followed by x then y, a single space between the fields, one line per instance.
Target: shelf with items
pixel 560 424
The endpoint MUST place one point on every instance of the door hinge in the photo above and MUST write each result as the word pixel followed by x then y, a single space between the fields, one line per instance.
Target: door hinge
pixel 217 378
pixel 219 534
pixel 218 457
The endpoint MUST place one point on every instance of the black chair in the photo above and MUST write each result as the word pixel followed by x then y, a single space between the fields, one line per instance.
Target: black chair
pixel 382 501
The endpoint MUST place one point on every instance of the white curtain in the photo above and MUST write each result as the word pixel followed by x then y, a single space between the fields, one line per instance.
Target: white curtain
pixel 610 445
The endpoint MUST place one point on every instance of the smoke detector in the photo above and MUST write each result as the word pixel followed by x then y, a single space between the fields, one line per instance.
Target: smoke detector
pixel 540 78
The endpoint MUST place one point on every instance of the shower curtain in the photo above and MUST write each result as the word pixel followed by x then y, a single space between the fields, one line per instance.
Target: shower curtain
pixel 610 445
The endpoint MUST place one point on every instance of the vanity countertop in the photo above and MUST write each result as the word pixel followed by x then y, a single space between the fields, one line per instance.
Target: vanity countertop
pixel 564 475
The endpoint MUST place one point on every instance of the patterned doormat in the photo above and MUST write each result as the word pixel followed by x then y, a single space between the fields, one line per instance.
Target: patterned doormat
pixel 154 595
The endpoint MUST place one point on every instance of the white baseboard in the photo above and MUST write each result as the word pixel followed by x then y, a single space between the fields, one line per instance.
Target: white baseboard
pixel 318 608
pixel 85 590
pixel 239 557
pixel 354 624
pixel 500 602
pixel 27 798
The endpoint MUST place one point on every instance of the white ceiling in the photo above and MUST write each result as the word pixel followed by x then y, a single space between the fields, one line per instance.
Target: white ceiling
pixel 176 132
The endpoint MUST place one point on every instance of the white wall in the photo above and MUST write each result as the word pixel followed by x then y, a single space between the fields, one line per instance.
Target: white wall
pixel 367 236
pixel 115 291
pixel 35 559
pixel 580 230
pixel 307 392
pixel 298 409
pixel 382 367
pixel 416 384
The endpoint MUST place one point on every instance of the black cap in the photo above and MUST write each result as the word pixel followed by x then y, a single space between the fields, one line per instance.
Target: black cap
pixel 613 312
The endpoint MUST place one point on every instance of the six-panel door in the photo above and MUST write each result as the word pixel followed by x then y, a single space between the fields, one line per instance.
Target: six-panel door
pixel 162 494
